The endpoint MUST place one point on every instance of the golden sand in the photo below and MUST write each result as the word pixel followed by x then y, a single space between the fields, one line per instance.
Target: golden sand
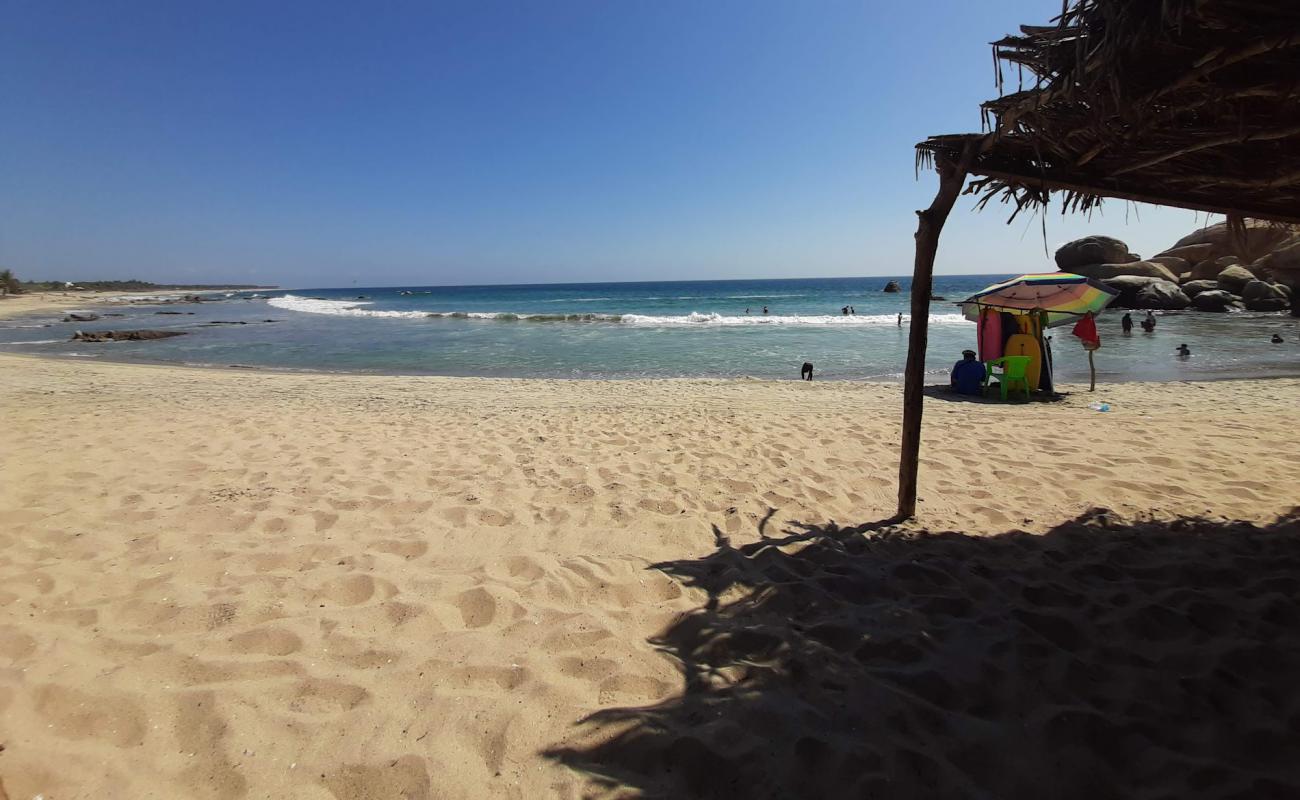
pixel 224 583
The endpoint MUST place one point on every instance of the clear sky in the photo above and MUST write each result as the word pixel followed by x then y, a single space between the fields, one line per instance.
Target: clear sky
pixel 386 143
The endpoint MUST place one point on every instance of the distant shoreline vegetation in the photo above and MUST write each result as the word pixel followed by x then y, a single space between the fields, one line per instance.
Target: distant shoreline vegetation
pixel 19 287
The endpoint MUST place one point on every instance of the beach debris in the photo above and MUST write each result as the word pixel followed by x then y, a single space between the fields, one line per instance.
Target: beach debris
pixel 1099 406
pixel 120 336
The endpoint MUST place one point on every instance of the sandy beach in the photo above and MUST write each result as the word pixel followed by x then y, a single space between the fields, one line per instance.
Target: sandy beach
pixel 227 583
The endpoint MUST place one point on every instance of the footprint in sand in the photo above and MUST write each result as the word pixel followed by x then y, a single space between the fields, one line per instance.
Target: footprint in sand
pixel 266 641
pixel 113 718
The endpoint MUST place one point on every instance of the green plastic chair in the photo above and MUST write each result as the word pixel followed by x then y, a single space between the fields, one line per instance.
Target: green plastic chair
pixel 1012 376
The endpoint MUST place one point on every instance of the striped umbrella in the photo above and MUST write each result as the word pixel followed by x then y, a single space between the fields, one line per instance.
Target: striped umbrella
pixel 1063 296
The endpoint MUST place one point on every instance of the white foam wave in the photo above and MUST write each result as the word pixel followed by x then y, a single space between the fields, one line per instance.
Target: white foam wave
pixel 825 320
pixel 758 296
pixel 37 341
pixel 353 308
pixel 338 308
pixel 578 300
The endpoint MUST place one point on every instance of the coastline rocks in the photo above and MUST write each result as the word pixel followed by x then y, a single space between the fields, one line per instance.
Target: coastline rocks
pixel 1283 263
pixel 1192 254
pixel 122 336
pixel 1193 288
pixel 892 286
pixel 1162 295
pixel 81 318
pixel 1146 269
pixel 1092 250
pixel 1174 264
pixel 1234 278
pixel 1258 238
pixel 1261 296
pixel 1128 287
pixel 1216 300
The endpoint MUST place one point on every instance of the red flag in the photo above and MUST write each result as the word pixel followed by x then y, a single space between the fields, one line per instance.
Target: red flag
pixel 1086 329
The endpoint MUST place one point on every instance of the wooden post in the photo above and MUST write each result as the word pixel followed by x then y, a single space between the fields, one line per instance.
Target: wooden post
pixel 930 224
pixel 1092 373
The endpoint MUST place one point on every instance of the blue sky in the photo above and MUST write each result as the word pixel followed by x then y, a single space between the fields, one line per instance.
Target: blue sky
pixel 317 144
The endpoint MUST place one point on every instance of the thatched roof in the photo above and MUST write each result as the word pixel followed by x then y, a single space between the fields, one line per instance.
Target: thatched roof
pixel 1188 103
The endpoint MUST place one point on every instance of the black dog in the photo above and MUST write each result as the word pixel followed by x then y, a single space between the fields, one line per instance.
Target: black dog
pixel 806 372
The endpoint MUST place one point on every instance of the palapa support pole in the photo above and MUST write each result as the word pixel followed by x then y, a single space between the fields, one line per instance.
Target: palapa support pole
pixel 1092 373
pixel 930 224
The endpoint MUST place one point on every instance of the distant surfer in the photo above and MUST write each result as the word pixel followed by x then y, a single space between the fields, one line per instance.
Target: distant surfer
pixel 1184 351
pixel 900 319
pixel 845 311
pixel 805 374
pixel 764 309
pixel 853 311
pixel 1127 323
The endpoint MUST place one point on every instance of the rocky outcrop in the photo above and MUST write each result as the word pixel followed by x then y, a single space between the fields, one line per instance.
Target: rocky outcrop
pixel 120 336
pixel 1192 254
pixel 1234 278
pixel 1092 250
pixel 1216 300
pixel 1193 288
pixel 83 317
pixel 1261 296
pixel 1163 295
pixel 1209 269
pixel 892 286
pixel 1283 264
pixel 1147 269
pixel 1175 264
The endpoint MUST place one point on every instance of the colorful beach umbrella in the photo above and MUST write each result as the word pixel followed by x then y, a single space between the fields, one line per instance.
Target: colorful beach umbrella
pixel 1063 296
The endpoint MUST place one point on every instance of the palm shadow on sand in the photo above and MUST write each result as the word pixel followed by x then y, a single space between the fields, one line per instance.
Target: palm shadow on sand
pixel 1103 659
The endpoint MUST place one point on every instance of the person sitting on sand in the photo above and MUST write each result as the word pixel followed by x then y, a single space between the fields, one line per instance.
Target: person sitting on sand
pixel 1127 323
pixel 968 374
pixel 1277 339
pixel 1183 351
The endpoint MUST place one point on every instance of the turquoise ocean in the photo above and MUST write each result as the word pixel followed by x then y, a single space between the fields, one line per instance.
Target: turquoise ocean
pixel 714 329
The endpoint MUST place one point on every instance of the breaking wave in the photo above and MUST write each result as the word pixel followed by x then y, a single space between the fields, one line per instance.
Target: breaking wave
pixel 357 308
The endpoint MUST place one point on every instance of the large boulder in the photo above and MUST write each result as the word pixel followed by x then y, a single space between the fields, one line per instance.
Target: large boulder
pixel 1216 300
pixel 120 336
pixel 1258 238
pixel 1192 254
pixel 1128 287
pixel 1261 296
pixel 84 316
pixel 892 286
pixel 1283 264
pixel 1234 278
pixel 1175 264
pixel 1193 288
pixel 1162 294
pixel 1146 269
pixel 1092 250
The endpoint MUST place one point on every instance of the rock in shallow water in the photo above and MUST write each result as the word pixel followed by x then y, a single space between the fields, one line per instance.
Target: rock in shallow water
pixel 120 336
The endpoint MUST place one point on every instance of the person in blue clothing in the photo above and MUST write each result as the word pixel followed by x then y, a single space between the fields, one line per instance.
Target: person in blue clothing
pixel 968 374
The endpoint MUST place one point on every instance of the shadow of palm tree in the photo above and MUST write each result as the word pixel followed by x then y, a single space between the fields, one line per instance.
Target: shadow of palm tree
pixel 1102 659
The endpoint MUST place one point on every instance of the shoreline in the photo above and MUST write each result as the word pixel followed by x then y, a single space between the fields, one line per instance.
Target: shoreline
pixel 1062 389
